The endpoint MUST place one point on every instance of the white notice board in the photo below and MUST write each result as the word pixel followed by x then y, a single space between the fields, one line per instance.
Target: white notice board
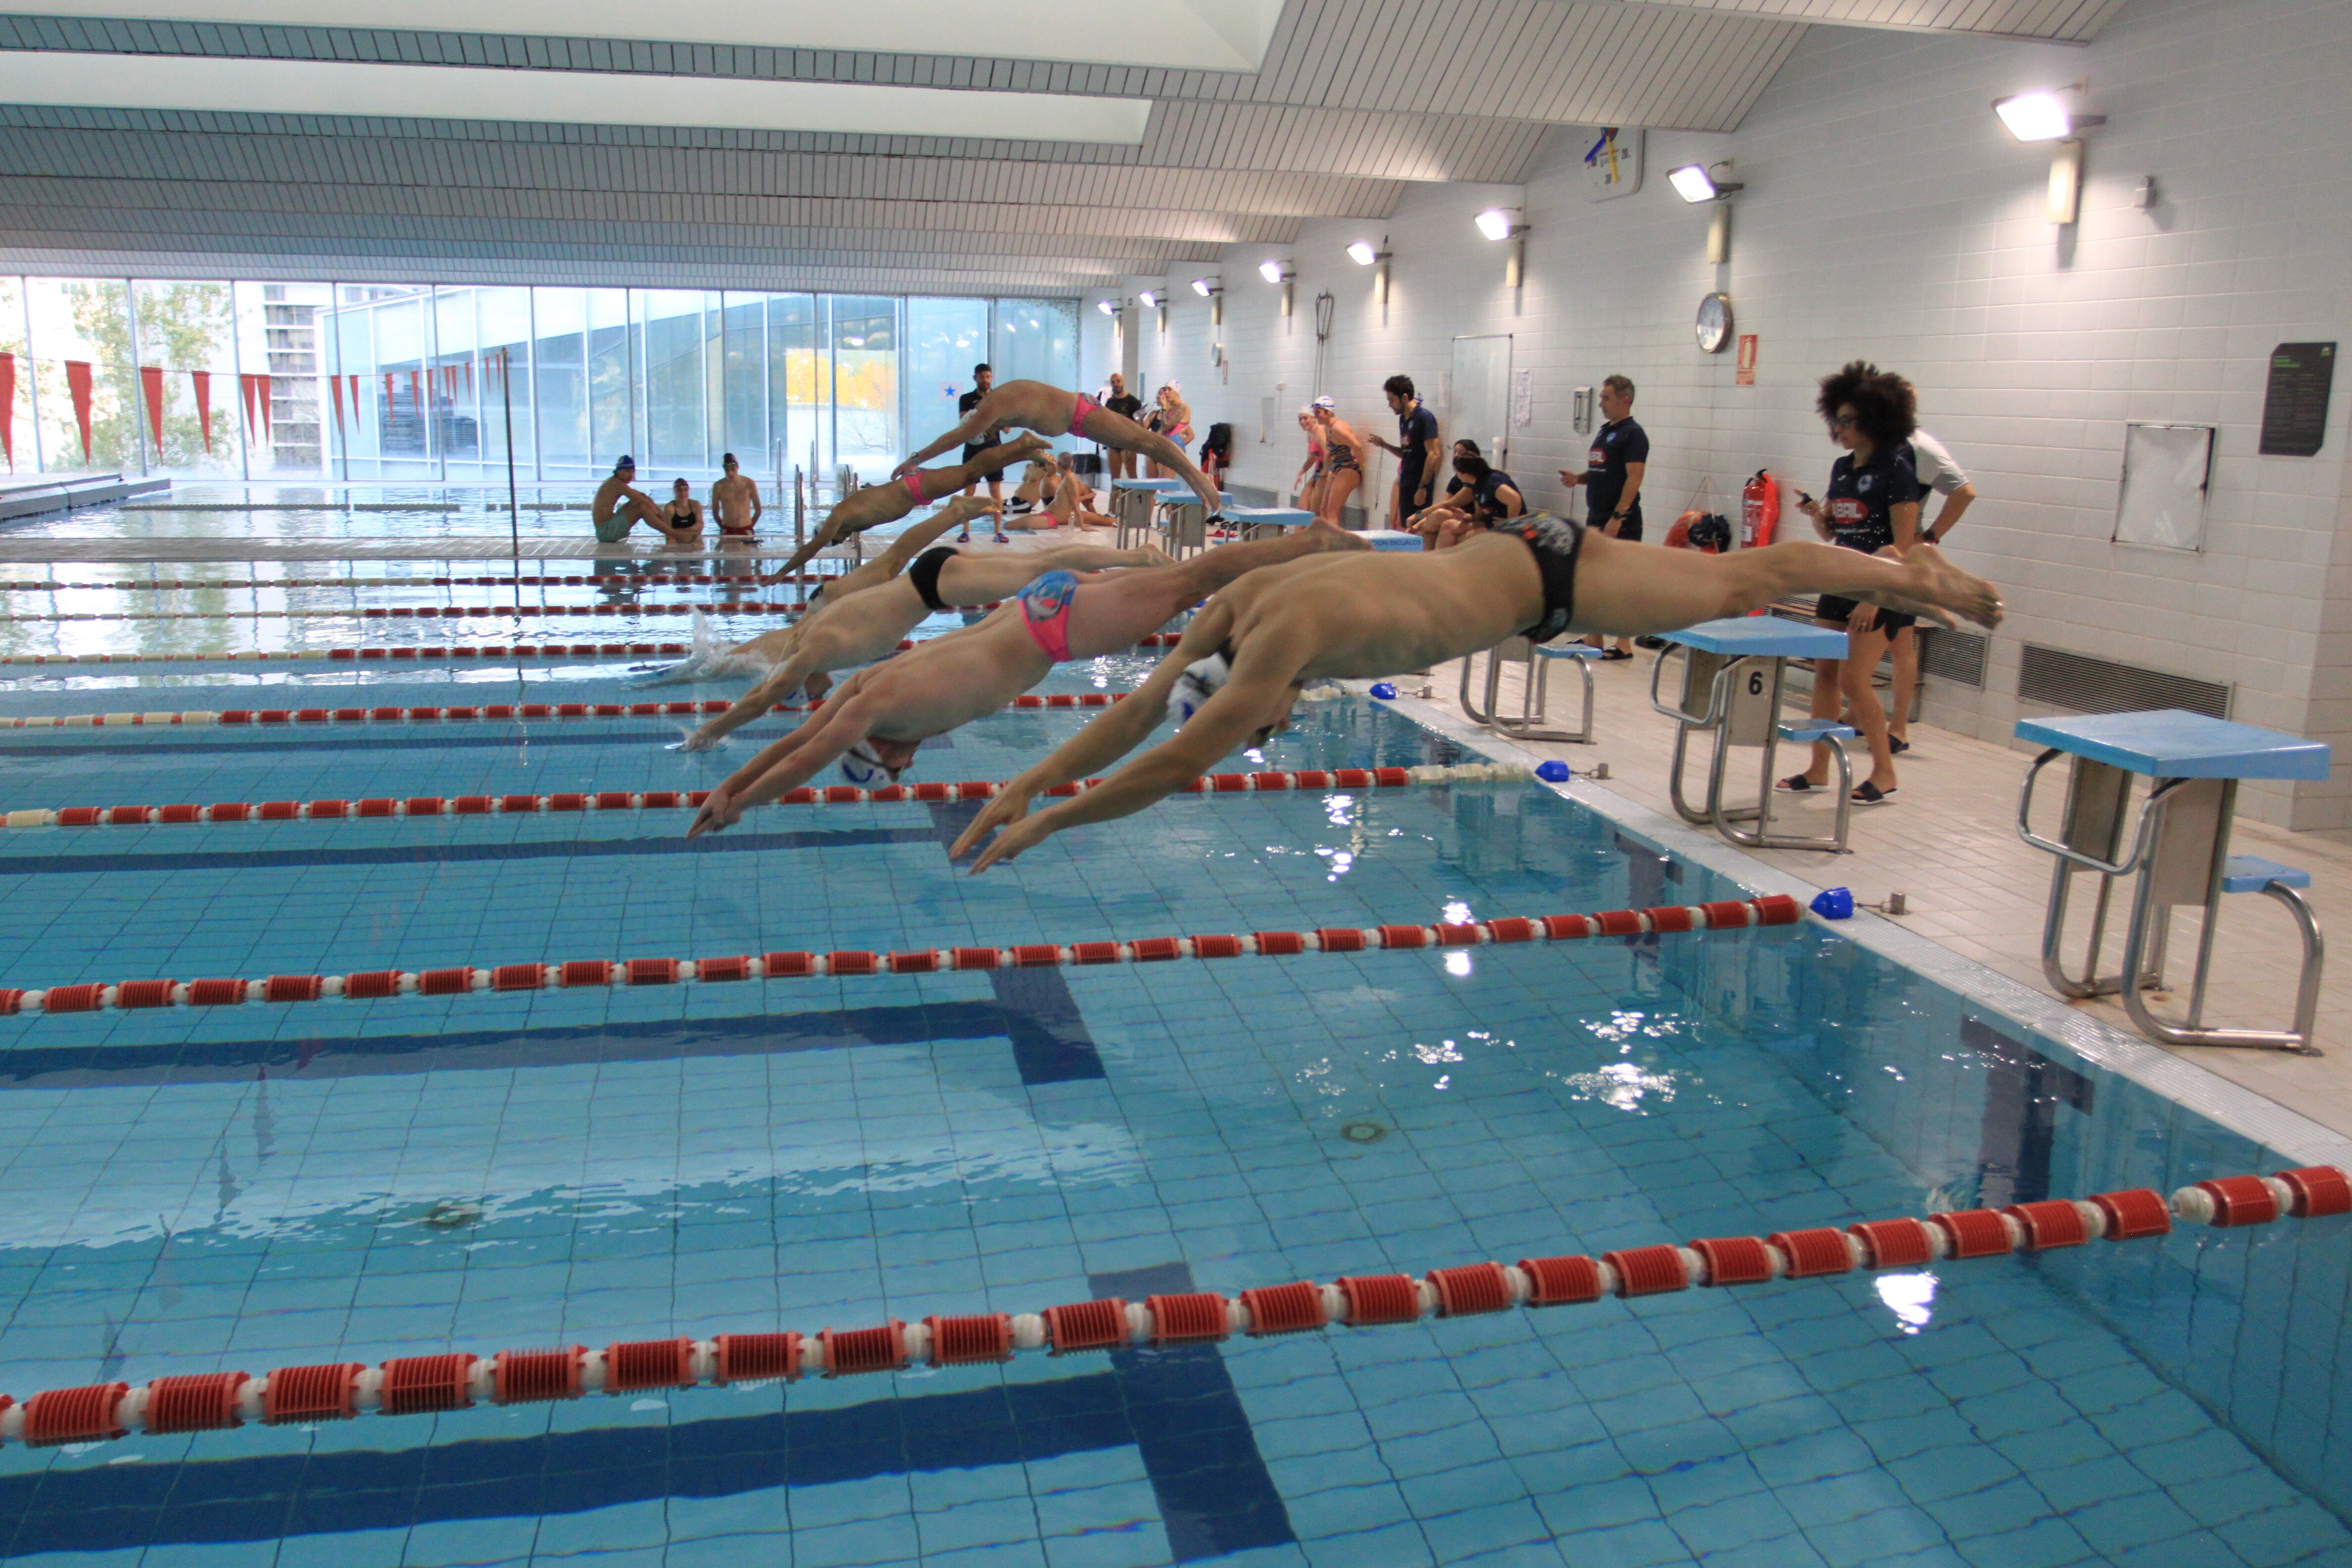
pixel 2168 471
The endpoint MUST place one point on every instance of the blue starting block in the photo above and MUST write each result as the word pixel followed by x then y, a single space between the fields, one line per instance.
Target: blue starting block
pixel 1267 522
pixel 1535 661
pixel 2179 853
pixel 1733 671
pixel 1132 501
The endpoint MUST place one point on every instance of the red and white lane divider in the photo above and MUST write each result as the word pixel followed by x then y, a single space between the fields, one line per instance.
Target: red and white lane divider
pixel 495 651
pixel 427 612
pixel 667 800
pixel 161 585
pixel 415 1386
pixel 127 995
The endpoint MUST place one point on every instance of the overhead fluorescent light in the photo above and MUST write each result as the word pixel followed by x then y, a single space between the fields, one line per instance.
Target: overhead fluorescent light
pixel 1496 223
pixel 2035 116
pixel 1363 254
pixel 1185 35
pixel 64 78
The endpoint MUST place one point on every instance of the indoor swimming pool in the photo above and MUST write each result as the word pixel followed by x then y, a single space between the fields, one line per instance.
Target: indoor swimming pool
pixel 198 1190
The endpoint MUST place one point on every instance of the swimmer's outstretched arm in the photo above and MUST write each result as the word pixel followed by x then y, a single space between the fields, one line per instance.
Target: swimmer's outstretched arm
pixel 792 760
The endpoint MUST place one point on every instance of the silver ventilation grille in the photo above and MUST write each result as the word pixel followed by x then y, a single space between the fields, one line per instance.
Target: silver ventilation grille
pixel 2081 684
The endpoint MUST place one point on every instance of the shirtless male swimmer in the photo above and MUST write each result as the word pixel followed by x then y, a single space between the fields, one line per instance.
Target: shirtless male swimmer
pixel 875 721
pixel 908 489
pixel 619 507
pixel 1244 657
pixel 1055 411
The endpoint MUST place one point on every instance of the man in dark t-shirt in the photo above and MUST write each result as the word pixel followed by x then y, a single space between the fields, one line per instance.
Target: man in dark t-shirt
pixel 1612 475
pixel 982 378
pixel 1127 405
pixel 1418 459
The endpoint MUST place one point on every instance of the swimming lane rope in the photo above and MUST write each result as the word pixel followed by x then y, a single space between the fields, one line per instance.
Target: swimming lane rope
pixel 398 654
pixel 410 1385
pixel 129 995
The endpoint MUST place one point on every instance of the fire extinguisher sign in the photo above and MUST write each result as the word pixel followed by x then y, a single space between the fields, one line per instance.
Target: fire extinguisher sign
pixel 1745 373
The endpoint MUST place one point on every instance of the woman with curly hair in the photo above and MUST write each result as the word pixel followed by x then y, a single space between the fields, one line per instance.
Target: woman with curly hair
pixel 1873 505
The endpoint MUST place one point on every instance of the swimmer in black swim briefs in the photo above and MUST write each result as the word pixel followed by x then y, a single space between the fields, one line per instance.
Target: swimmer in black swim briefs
pixel 1362 615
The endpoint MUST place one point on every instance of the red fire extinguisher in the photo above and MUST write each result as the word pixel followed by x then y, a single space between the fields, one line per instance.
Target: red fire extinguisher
pixel 1760 509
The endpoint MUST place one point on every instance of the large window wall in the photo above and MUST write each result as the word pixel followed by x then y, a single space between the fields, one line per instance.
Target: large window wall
pixel 374 381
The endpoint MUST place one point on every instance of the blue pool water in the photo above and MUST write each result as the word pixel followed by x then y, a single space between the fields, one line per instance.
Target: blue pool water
pixel 240 1188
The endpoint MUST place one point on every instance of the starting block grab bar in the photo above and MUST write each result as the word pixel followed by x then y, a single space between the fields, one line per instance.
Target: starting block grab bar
pixel 1741 707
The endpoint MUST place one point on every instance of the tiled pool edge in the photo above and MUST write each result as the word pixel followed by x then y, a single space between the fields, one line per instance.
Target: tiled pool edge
pixel 2226 1104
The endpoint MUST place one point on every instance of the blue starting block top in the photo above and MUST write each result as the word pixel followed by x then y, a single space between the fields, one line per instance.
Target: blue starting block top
pixel 1182 495
pixel 1391 539
pixel 2252 874
pixel 1157 487
pixel 1268 517
pixel 1761 636
pixel 2173 743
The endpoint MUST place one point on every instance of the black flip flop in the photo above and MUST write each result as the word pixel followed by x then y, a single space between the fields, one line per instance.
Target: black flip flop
pixel 1868 794
pixel 1797 783
pixel 1616 652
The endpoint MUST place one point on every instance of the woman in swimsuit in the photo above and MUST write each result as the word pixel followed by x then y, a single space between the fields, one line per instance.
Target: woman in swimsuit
pixel 1309 482
pixel 1055 411
pixel 1343 467
pixel 684 513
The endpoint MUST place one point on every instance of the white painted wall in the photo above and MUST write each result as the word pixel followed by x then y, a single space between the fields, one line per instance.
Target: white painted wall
pixel 1889 216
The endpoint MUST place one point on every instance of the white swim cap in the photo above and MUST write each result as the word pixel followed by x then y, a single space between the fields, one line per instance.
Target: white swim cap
pixel 1326 401
pixel 861 767
pixel 1202 680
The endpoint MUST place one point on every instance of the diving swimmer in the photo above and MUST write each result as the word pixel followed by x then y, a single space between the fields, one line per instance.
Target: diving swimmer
pixel 877 717
pixel 1246 655
pixel 907 489
pixel 1055 411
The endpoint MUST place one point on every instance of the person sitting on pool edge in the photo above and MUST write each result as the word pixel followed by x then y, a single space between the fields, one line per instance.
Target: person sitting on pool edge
pixel 1246 653
pixel 873 723
pixel 619 507
pixel 879 504
pixel 684 513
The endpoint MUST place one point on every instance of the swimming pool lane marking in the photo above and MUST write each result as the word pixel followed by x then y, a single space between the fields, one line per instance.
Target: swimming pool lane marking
pixel 424 1384
pixel 577 580
pixel 667 800
pixel 130 995
pixel 683 608
pixel 490 652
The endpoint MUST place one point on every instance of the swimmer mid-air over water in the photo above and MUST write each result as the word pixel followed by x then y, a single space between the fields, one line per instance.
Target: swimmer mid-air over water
pixel 908 488
pixel 878 717
pixel 1244 657
pixel 1055 411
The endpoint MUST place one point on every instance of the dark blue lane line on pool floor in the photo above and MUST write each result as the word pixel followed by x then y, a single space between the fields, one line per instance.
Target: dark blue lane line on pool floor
pixel 673 843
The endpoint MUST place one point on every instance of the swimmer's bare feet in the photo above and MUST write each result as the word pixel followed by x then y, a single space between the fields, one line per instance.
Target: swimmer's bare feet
pixel 1946 588
pixel 1151 555
pixel 1030 444
pixel 1334 537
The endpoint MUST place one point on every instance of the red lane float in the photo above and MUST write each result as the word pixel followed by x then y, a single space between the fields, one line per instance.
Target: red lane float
pixel 1776 910
pixel 664 800
pixel 580 580
pixel 494 653
pixel 339 1391
pixel 430 612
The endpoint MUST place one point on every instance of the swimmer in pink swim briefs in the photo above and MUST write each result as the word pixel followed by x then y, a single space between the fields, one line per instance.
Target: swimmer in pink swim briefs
pixel 874 722
pixel 907 489
pixel 1056 411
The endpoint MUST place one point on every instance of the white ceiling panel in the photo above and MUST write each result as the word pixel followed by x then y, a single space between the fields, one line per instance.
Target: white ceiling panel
pixel 2060 21
pixel 59 79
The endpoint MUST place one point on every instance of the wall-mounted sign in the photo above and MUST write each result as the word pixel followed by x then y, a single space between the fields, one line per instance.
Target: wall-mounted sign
pixel 2294 405
pixel 1746 374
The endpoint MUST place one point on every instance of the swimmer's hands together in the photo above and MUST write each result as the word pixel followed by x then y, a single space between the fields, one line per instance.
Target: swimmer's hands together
pixel 1025 833
pixel 700 739
pixel 721 810
pixel 1006 806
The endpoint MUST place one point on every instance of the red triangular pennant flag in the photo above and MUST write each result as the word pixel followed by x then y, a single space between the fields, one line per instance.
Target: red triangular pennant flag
pixel 355 395
pixel 388 395
pixel 151 387
pixel 416 390
pixel 8 408
pixel 78 386
pixel 469 378
pixel 245 396
pixel 200 381
pixel 261 384
pixel 335 385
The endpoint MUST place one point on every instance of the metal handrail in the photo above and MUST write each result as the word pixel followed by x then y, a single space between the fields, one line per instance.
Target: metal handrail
pixel 2149 814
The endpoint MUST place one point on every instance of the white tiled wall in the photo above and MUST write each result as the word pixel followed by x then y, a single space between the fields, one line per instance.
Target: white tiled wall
pixel 1888 215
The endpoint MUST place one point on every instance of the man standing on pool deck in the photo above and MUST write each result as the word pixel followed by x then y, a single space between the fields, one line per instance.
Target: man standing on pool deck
pixel 1418 459
pixel 877 504
pixel 983 377
pixel 735 500
pixel 1243 657
pixel 876 719
pixel 1612 475
pixel 1054 411
pixel 619 508
pixel 1127 405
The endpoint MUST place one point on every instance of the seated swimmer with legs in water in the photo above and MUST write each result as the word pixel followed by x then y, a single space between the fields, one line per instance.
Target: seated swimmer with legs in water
pixel 911 488
pixel 1246 655
pixel 873 723
pixel 863 627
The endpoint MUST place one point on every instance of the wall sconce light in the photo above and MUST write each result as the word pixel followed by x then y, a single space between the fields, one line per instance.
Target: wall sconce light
pixel 1274 270
pixel 1150 298
pixel 1701 182
pixel 1213 288
pixel 1364 253
pixel 2043 115
pixel 1501 224
pixel 1107 308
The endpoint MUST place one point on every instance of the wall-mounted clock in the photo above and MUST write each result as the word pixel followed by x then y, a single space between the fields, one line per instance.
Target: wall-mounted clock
pixel 1612 164
pixel 1714 324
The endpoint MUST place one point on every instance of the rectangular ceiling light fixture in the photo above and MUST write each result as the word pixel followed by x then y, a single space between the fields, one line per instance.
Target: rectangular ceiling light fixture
pixel 1183 34
pixel 75 80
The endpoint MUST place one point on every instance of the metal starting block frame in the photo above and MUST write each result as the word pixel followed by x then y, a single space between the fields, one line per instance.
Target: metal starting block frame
pixel 1734 671
pixel 1535 661
pixel 2180 854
